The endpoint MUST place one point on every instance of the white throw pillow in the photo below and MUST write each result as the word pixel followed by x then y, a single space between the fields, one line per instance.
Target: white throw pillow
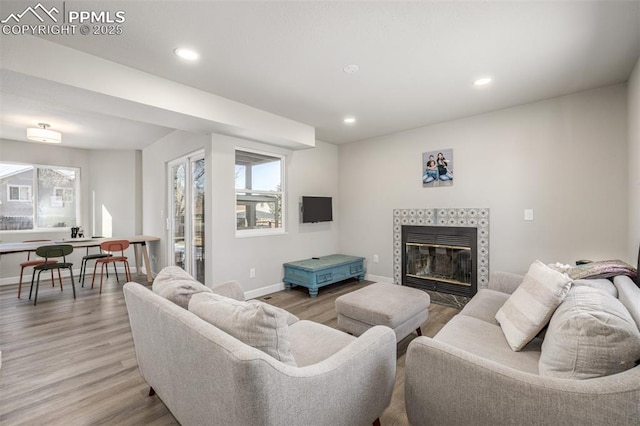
pixel 591 334
pixel 530 307
pixel 176 285
pixel 254 323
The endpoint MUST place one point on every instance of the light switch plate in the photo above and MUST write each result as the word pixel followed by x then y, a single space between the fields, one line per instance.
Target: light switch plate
pixel 528 214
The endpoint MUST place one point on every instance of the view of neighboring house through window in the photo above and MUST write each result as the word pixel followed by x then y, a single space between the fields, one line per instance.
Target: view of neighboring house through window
pixel 259 192
pixel 19 192
pixel 37 196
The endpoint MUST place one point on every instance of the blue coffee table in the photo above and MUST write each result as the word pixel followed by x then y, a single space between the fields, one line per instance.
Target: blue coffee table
pixel 322 271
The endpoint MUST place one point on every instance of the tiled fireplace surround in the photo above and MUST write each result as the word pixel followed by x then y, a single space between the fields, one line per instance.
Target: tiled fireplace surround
pixel 460 217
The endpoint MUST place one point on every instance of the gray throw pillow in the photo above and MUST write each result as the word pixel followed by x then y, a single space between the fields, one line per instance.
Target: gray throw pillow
pixel 254 323
pixel 176 285
pixel 591 334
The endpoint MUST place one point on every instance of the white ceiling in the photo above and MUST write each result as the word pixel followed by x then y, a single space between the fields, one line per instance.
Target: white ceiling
pixel 417 61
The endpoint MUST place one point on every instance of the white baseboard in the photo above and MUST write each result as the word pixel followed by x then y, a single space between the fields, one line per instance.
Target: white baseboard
pixel 379 278
pixel 12 280
pixel 263 291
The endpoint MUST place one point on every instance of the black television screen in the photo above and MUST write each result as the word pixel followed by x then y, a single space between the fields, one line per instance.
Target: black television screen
pixel 316 209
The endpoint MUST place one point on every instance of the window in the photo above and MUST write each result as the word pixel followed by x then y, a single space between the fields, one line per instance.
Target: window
pixel 38 196
pixel 65 195
pixel 19 192
pixel 259 193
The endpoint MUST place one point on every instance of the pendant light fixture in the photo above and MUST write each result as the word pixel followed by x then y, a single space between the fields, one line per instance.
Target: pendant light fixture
pixel 42 134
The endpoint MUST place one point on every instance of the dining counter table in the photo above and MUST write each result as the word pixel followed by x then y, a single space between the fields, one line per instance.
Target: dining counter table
pixel 139 243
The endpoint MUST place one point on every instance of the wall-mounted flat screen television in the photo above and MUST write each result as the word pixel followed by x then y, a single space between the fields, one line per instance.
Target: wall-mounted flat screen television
pixel 316 209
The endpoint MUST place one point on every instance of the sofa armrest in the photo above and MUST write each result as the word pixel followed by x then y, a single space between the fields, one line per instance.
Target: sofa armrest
pixel 629 295
pixel 505 282
pixel 352 386
pixel 446 385
pixel 230 289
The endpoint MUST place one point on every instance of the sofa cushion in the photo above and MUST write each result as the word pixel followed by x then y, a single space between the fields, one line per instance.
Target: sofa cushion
pixel 601 284
pixel 229 289
pixel 254 323
pixel 591 334
pixel 530 307
pixel 312 342
pixel 485 304
pixel 487 341
pixel 175 284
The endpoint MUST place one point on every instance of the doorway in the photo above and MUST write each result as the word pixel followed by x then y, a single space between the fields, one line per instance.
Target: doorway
pixel 186 214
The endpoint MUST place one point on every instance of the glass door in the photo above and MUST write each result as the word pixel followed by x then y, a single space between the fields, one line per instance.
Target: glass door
pixel 186 208
pixel 197 219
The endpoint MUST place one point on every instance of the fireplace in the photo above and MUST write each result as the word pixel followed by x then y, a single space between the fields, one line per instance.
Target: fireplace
pixel 440 258
pixel 449 267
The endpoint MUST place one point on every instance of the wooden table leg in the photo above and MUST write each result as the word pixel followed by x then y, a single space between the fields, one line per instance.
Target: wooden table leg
pixel 136 255
pixel 147 263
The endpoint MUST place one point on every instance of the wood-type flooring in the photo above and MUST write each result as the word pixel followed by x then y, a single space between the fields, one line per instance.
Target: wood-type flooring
pixel 72 362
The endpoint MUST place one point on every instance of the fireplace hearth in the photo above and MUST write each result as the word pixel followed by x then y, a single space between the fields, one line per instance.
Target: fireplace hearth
pixel 442 251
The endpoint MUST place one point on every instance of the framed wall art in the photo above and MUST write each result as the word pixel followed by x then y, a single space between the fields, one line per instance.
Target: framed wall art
pixel 437 168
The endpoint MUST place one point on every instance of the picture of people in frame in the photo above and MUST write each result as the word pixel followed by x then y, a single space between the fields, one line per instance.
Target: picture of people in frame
pixel 437 168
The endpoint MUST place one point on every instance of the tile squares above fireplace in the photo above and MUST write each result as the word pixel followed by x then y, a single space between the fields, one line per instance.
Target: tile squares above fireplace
pixel 455 217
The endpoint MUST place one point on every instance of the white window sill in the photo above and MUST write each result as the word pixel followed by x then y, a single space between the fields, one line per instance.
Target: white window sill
pixel 249 233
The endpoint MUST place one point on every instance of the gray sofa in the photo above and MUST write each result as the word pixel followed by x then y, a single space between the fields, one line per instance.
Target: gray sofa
pixel 468 375
pixel 206 376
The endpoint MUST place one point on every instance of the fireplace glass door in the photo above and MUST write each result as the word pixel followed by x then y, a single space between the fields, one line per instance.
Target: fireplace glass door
pixel 443 263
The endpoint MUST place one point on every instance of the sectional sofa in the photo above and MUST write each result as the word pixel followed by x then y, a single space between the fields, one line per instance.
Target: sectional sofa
pixel 259 365
pixel 579 371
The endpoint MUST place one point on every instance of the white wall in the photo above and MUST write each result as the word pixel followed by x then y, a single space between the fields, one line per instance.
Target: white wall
pixel 115 193
pixel 111 178
pixel 563 157
pixel 634 162
pixel 154 183
pixel 309 172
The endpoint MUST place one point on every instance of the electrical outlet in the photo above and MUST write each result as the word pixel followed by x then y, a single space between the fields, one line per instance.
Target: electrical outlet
pixel 376 259
pixel 252 273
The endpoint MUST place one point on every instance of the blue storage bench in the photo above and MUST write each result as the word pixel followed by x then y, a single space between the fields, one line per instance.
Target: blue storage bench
pixel 321 271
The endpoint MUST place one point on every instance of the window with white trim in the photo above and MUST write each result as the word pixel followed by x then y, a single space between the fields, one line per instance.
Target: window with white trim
pixel 260 192
pixel 38 196
pixel 19 192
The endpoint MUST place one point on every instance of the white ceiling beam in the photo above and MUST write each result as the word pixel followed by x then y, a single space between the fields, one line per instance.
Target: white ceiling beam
pixel 135 94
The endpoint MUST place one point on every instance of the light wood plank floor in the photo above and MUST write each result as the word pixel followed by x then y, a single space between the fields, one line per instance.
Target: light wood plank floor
pixel 67 362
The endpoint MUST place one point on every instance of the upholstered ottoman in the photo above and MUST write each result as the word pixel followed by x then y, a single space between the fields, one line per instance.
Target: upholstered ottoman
pixel 401 308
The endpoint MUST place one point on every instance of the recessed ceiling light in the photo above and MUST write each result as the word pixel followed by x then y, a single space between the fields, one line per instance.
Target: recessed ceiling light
pixel 482 81
pixel 349 120
pixel 187 54
pixel 351 69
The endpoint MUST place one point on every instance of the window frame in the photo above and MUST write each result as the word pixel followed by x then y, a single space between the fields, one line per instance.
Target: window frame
pixel 259 232
pixel 35 197
pixel 29 193
pixel 66 197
